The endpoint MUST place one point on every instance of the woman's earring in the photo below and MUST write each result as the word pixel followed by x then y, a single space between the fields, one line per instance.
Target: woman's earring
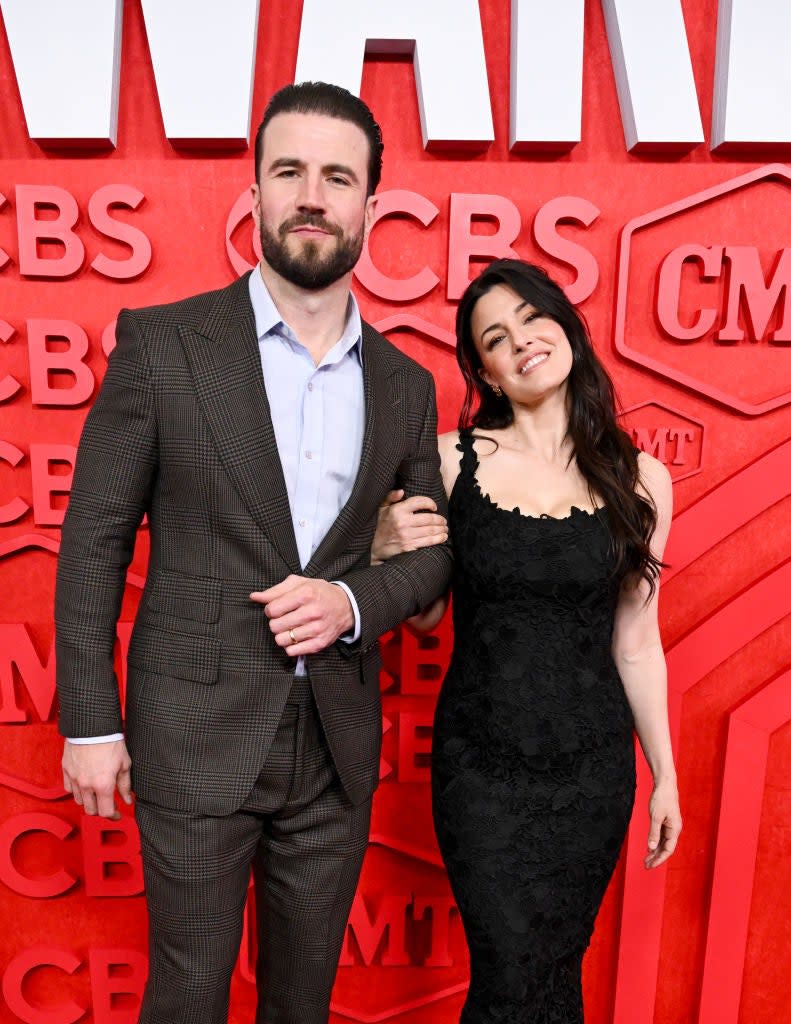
pixel 497 390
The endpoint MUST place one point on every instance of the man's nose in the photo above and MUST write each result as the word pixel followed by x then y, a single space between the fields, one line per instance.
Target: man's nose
pixel 311 193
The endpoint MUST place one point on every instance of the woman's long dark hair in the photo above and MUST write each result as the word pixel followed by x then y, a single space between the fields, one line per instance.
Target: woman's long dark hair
pixel 605 454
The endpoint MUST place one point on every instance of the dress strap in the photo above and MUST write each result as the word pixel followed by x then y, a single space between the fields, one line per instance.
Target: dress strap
pixel 469 458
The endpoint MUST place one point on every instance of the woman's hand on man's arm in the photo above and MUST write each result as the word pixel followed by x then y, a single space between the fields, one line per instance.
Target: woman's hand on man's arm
pixel 406 524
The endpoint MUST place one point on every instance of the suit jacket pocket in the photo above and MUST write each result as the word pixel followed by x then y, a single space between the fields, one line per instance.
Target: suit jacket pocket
pixel 185 597
pixel 175 654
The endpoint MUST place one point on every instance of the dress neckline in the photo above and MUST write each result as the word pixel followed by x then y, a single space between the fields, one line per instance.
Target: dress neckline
pixel 470 457
pixel 574 511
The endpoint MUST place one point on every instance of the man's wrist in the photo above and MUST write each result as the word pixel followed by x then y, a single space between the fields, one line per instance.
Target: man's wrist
pixel 352 634
pixel 85 740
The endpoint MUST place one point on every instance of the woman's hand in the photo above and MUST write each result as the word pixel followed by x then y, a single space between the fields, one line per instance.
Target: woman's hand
pixel 665 823
pixel 406 525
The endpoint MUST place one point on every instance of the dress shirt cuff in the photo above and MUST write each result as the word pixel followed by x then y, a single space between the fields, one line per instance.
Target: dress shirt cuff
pixel 353 637
pixel 96 739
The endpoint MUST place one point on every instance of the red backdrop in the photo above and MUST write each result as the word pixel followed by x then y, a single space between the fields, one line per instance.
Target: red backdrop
pixel 707 938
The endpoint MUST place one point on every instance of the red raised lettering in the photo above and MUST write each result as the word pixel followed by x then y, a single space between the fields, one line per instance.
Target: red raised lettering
pixel 681 435
pixel 108 338
pixel 33 230
pixel 47 485
pixel 111 854
pixel 442 909
pixel 16 507
pixel 398 202
pixel 15 978
pixel 99 206
pixel 464 246
pixel 669 290
pixel 569 210
pixel 37 676
pixel 749 292
pixel 414 745
pixel 386 925
pixel 44 886
pixel 655 445
pixel 425 659
pixel 9 386
pixel 4 257
pixel 117 976
pixel 58 377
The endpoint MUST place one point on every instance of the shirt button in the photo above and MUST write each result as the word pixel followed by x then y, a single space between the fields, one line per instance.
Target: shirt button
pixel 308 455
pixel 310 387
pixel 302 522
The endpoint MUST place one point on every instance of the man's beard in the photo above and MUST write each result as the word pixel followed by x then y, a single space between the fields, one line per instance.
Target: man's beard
pixel 307 268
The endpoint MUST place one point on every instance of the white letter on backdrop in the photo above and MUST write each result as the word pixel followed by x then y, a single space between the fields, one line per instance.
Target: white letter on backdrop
pixel 546 73
pixel 650 57
pixel 653 73
pixel 204 61
pixel 445 37
pixel 752 77
pixel 67 58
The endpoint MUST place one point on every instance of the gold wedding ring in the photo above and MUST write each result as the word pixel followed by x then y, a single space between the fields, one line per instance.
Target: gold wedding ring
pixel 291 634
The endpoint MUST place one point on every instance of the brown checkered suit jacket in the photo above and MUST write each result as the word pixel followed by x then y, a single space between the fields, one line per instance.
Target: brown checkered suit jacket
pixel 181 430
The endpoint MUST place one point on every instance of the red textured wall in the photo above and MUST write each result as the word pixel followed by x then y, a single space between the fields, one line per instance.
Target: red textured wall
pixel 707 939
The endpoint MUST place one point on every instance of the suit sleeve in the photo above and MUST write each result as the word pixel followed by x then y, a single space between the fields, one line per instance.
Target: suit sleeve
pixel 387 594
pixel 113 479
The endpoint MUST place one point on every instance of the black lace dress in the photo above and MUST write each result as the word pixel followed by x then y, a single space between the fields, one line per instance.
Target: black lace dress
pixel 533 762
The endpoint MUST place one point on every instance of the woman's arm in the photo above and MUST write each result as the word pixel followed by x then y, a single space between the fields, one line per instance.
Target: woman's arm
pixel 406 525
pixel 638 655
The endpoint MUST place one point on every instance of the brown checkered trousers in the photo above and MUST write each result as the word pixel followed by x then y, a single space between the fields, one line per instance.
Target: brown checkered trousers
pixel 181 430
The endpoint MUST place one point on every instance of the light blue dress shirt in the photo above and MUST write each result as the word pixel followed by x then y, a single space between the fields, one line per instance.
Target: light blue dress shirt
pixel 318 415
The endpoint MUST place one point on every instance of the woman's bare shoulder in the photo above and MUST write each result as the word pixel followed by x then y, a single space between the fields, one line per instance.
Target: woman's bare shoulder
pixel 449 457
pixel 654 479
pixel 447 444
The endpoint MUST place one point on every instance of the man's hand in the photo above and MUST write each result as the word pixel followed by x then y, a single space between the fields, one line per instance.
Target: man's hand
pixel 306 615
pixel 93 771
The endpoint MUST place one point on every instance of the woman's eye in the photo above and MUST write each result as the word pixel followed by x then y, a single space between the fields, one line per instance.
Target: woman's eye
pixel 495 341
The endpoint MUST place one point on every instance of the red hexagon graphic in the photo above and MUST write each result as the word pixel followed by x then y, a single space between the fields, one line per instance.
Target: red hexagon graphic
pixel 673 437
pixel 403 951
pixel 404 938
pixel 703 293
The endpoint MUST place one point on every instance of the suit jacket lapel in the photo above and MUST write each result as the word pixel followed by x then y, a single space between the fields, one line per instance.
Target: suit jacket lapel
pixel 226 367
pixel 379 426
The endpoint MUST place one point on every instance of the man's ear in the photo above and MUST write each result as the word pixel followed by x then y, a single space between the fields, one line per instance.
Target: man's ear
pixel 370 214
pixel 255 194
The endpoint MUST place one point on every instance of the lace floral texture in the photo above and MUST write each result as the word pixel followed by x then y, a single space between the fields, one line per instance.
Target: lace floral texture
pixel 533 766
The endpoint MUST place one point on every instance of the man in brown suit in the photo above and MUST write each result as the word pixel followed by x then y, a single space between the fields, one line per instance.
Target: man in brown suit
pixel 259 426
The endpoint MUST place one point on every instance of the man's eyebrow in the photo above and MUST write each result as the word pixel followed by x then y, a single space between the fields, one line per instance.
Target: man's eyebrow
pixel 340 169
pixel 293 161
pixel 286 161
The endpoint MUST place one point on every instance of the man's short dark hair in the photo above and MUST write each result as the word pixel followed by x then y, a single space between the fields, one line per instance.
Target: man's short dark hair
pixel 331 101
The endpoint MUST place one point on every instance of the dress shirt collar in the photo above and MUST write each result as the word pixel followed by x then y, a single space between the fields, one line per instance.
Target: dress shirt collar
pixel 269 323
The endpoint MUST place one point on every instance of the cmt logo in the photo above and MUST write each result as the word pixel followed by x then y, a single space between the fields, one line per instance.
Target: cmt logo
pixel 673 437
pixel 704 292
pixel 404 931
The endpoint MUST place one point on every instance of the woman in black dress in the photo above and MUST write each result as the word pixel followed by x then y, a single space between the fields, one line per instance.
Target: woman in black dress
pixel 558 527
